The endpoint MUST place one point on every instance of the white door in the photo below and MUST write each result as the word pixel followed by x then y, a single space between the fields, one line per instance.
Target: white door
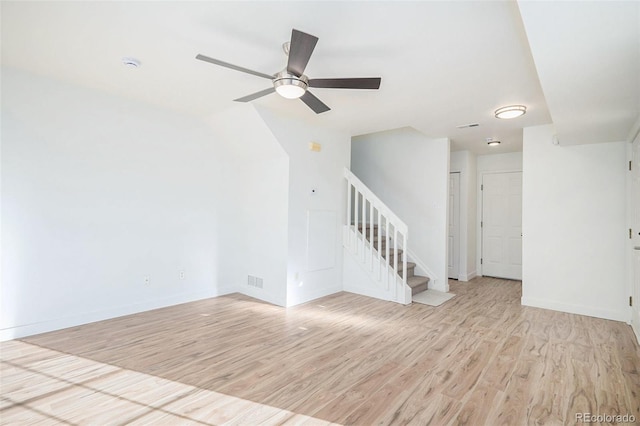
pixel 635 240
pixel 453 256
pixel 502 225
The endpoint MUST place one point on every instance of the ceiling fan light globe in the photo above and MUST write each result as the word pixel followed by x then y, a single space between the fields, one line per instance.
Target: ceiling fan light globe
pixel 290 91
pixel 290 86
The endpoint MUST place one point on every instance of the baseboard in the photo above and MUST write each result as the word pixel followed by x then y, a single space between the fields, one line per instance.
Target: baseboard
pixel 26 330
pixel 315 295
pixel 636 331
pixel 575 309
pixel 467 277
pixel 260 294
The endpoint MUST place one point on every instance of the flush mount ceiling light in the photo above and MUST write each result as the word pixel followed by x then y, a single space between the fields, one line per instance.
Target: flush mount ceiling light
pixel 492 142
pixel 131 62
pixel 511 111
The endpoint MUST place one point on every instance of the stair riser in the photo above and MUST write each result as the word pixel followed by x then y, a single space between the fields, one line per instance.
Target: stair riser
pixel 410 271
pixel 419 289
pixel 391 256
pixel 368 234
pixel 383 244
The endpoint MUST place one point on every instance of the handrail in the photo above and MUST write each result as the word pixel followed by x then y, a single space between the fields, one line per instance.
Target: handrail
pixel 368 211
pixel 402 227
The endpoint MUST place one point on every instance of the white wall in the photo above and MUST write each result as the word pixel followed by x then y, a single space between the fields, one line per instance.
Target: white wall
pixel 97 193
pixel 314 263
pixel 464 162
pixel 255 220
pixel 410 173
pixel 574 226
pixel 508 162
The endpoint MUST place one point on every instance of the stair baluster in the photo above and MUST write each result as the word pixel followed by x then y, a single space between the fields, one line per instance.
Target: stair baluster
pixel 373 221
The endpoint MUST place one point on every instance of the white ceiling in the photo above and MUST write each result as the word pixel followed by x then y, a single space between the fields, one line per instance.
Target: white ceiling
pixel 442 64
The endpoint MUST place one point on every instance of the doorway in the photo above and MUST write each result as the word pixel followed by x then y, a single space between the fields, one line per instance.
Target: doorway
pixel 453 240
pixel 501 225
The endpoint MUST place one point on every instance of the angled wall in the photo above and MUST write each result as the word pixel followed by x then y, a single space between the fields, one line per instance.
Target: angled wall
pixel 254 220
pixel 316 202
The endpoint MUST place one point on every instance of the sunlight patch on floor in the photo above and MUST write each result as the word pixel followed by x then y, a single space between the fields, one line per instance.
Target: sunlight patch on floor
pixel 50 387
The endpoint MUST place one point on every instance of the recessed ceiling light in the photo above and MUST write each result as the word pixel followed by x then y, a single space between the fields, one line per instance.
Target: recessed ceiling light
pixel 511 111
pixel 131 62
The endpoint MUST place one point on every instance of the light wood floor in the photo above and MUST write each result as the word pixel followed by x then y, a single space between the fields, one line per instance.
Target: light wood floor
pixel 480 358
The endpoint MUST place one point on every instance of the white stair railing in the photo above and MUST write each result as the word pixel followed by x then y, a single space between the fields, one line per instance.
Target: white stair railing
pixel 373 234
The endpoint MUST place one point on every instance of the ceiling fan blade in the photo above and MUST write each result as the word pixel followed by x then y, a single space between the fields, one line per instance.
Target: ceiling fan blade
pixel 255 95
pixel 346 83
pixel 300 50
pixel 233 67
pixel 314 103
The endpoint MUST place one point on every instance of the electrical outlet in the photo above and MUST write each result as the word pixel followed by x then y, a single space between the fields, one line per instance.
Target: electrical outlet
pixel 181 274
pixel 147 280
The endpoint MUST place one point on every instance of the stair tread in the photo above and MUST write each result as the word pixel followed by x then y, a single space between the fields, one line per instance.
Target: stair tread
pixel 416 280
pixel 367 225
pixel 399 251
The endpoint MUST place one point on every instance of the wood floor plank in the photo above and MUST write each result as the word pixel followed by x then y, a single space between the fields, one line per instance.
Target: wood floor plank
pixel 503 363
pixel 580 391
pixel 516 405
pixel 481 358
pixel 548 398
pixel 478 405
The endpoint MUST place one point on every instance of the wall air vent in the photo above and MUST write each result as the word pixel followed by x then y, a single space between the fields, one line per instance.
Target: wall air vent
pixel 466 126
pixel 254 281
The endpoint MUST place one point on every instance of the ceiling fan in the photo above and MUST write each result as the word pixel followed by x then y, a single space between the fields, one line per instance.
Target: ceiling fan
pixel 291 82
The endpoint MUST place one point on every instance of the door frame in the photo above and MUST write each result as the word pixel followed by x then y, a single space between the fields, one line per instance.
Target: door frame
pixel 456 237
pixel 633 256
pixel 480 177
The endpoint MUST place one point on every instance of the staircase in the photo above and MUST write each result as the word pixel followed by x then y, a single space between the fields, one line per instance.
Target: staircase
pixel 375 246
pixel 418 283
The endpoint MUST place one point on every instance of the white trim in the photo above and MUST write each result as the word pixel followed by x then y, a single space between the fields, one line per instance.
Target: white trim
pixel 630 257
pixel 423 269
pixel 89 317
pixel 468 277
pixel 358 279
pixel 322 292
pixel 614 315
pixel 462 259
pixel 379 269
